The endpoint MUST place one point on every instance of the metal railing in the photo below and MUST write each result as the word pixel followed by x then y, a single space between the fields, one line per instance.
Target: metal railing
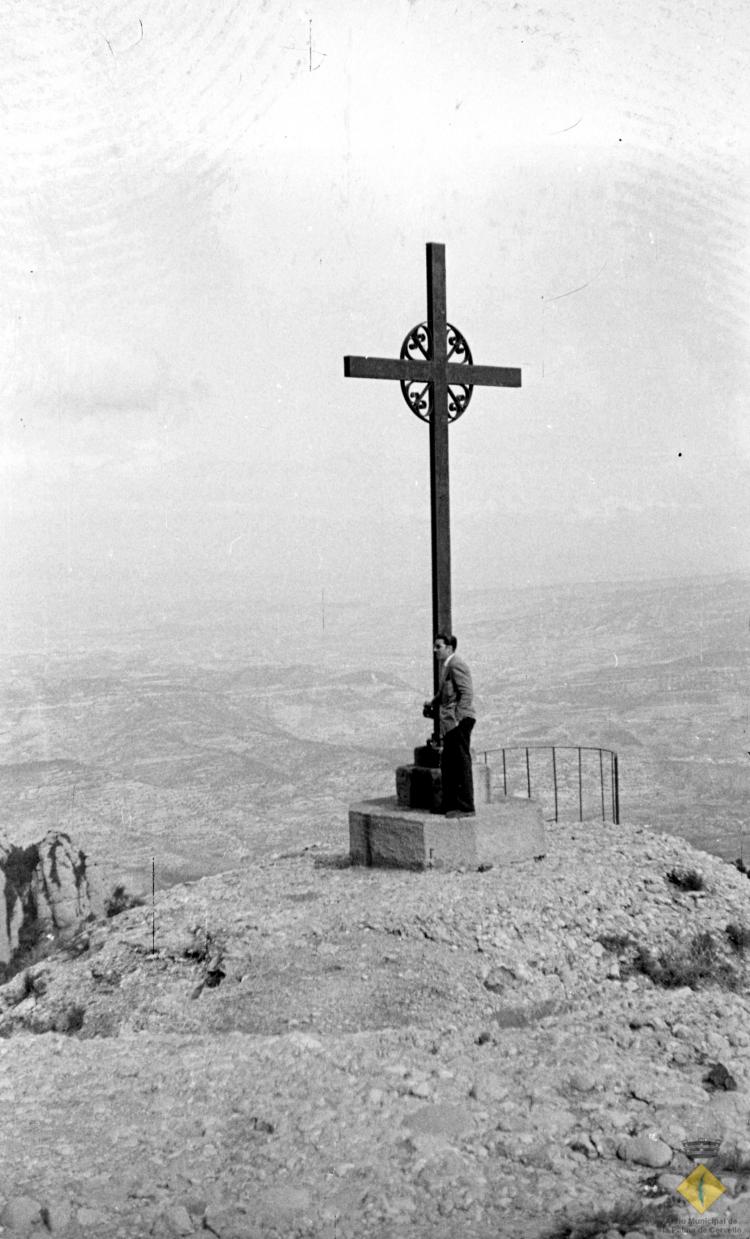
pixel 562 778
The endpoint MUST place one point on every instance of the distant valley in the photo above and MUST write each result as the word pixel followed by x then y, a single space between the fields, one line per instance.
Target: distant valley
pixel 203 749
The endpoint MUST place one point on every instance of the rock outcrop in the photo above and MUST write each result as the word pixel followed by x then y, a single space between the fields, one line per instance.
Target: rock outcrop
pixel 45 889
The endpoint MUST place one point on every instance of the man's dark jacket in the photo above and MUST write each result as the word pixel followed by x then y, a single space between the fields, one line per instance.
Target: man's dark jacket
pixel 455 697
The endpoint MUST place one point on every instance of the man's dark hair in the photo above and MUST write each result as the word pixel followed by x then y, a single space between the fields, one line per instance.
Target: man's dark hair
pixel 447 639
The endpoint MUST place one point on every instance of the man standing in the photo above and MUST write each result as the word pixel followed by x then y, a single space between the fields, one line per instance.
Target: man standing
pixel 455 702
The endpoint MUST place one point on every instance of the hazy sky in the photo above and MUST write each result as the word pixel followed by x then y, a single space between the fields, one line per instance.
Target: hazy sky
pixel 195 228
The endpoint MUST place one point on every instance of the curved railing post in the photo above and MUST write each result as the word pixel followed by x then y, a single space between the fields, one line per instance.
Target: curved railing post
pixel 612 782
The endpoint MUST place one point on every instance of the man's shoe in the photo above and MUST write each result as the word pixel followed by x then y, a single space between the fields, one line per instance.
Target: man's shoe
pixel 460 813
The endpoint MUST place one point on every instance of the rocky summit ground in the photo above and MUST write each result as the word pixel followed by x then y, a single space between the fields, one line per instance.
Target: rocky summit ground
pixel 317 1050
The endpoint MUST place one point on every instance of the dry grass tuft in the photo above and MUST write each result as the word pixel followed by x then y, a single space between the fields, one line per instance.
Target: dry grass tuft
pixel 623 1217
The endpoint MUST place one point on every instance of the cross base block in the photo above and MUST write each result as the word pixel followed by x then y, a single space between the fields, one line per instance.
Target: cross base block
pixel 427 755
pixel 383 833
pixel 421 787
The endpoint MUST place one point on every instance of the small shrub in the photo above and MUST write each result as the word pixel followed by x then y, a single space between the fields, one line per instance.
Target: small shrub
pixel 635 1215
pixel 120 900
pixel 738 935
pixel 692 962
pixel 71 1019
pixel 616 943
pixel 202 945
pixel 718 1077
pixel 686 879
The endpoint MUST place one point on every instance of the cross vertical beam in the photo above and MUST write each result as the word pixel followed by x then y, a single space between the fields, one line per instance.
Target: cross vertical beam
pixel 439 472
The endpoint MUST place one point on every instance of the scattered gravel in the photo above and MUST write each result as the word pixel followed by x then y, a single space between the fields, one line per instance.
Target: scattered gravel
pixel 320 1050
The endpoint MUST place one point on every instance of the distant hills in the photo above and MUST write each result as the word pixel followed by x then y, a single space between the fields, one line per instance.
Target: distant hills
pixel 202 748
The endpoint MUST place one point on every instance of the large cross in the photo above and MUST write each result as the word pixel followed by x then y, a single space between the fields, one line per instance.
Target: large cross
pixel 437 376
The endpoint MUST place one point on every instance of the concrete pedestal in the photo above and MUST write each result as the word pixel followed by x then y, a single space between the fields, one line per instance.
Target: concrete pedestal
pixel 383 832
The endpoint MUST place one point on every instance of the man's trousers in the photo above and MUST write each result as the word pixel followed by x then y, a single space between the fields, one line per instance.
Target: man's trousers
pixel 455 768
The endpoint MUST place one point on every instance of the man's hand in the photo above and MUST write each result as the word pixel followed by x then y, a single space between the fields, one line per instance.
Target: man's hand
pixel 427 711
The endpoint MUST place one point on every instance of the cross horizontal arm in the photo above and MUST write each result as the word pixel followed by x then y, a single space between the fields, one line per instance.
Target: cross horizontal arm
pixel 408 368
pixel 387 368
pixel 483 376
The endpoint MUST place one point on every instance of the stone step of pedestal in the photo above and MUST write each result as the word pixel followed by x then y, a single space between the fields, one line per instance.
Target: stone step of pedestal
pixel 420 787
pixel 384 833
pixel 427 755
